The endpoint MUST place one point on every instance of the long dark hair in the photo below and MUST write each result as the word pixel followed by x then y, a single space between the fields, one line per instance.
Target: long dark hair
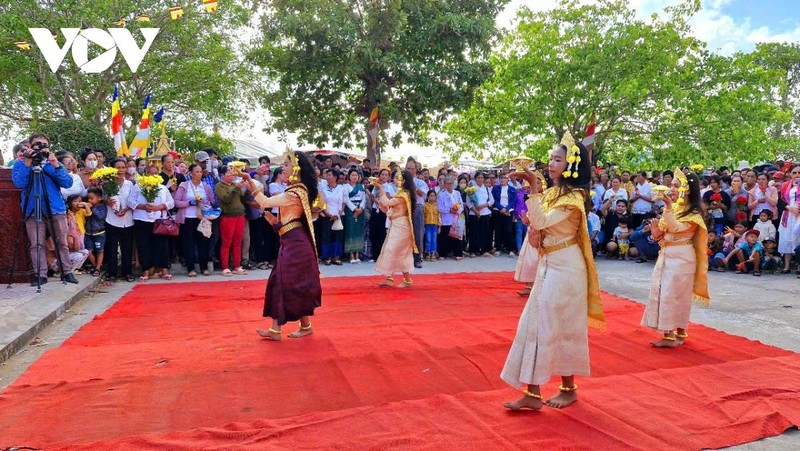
pixel 308 176
pixel 568 184
pixel 408 185
pixel 693 200
pixel 278 171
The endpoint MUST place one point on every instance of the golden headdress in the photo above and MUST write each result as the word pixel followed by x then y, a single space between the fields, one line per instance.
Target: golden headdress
pixel 573 155
pixel 684 186
pixel 295 175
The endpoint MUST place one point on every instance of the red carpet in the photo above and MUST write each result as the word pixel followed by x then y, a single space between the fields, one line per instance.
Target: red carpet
pixel 179 366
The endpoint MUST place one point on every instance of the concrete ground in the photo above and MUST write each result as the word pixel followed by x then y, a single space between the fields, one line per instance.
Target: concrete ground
pixel 763 308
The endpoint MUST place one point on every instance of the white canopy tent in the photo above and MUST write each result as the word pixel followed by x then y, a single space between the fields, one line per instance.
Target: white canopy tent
pixel 252 149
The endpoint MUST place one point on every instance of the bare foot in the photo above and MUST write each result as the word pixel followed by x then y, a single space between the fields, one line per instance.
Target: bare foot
pixel 404 284
pixel 562 399
pixel 386 283
pixel 272 334
pixel 664 343
pixel 524 292
pixel 524 403
pixel 300 333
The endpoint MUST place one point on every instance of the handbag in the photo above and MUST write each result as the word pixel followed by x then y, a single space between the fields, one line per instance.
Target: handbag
pixel 204 227
pixel 337 225
pixel 166 227
pixel 455 231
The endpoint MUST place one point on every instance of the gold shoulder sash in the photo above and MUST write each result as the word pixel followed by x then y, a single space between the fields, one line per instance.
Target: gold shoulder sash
pixel 700 245
pixel 300 190
pixel 576 200
pixel 403 194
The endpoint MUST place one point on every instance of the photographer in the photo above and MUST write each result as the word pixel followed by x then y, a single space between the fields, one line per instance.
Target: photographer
pixel 54 177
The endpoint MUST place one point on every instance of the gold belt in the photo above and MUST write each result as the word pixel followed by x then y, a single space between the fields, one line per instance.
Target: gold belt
pixel 676 243
pixel 290 226
pixel 558 247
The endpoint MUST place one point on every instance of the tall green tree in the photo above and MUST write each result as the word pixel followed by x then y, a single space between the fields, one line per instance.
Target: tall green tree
pixel 659 97
pixel 194 68
pixel 332 61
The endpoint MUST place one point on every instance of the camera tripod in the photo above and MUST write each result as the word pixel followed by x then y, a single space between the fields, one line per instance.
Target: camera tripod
pixel 38 216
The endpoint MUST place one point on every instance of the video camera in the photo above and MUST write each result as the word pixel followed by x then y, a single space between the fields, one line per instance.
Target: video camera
pixel 37 153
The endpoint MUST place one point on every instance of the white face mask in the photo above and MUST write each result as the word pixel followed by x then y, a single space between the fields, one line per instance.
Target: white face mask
pixel 237 180
pixel 91 164
pixel 131 171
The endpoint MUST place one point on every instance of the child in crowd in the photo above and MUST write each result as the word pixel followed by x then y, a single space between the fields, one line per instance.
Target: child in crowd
pixel 765 226
pixel 748 254
pixel 714 248
pixel 771 261
pixel 593 223
pixel 433 225
pixel 75 236
pixel 622 237
pixel 95 239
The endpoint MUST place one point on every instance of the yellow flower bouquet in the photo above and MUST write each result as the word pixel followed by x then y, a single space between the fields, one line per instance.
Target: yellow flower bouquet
pixel 697 168
pixel 149 185
pixel 237 166
pixel 107 179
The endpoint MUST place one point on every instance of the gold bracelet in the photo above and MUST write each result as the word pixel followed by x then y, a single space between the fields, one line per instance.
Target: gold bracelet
pixel 302 327
pixel 567 389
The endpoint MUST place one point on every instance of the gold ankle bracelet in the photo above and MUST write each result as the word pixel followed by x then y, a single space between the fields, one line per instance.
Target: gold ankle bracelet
pixel 302 327
pixel 271 330
pixel 567 389
pixel 682 336
pixel 530 394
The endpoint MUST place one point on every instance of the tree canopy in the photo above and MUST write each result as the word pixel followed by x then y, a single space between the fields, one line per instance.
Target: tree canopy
pixel 331 61
pixel 659 97
pixel 194 68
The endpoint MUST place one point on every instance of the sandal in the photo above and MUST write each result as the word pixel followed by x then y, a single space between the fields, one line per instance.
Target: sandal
pixel 144 278
pixel 130 279
pixel 240 271
pixel 206 272
pixel 192 274
pixel 167 276
pixel 786 271
pixel 227 272
pixel 757 273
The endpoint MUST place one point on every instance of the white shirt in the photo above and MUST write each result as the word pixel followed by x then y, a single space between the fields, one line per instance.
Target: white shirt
pixel 356 201
pixel 193 192
pixel 126 221
pixel 422 186
pixel 621 193
pixel 334 200
pixel 76 188
pixel 483 196
pixel 163 198
pixel 504 195
pixel 641 206
pixel 276 188
pixel 445 201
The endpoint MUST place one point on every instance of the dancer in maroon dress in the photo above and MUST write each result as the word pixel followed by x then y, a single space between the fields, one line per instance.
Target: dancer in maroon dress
pixel 293 290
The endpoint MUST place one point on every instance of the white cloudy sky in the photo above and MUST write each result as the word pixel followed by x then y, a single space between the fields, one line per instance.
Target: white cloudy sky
pixel 726 25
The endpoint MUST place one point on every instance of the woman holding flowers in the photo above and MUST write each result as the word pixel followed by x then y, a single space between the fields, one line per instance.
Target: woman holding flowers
pixel 293 290
pixel 397 254
pixel 354 200
pixel 762 197
pixel 192 197
pixel 119 221
pixel 789 226
pixel 681 232
pixel 740 201
pixel 450 207
pixel 552 337
pixel 150 200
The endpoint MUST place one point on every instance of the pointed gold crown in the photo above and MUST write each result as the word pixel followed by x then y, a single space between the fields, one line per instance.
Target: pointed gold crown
pixel 568 140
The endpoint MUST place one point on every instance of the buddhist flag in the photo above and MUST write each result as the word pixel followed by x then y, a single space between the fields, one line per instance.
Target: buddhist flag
pixel 117 129
pixel 375 120
pixel 141 141
pixel 589 139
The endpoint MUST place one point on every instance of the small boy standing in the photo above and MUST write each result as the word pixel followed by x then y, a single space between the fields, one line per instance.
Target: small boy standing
pixel 95 239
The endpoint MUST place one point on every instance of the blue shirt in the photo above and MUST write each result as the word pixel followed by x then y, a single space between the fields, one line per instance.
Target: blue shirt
pixel 54 179
pixel 748 250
